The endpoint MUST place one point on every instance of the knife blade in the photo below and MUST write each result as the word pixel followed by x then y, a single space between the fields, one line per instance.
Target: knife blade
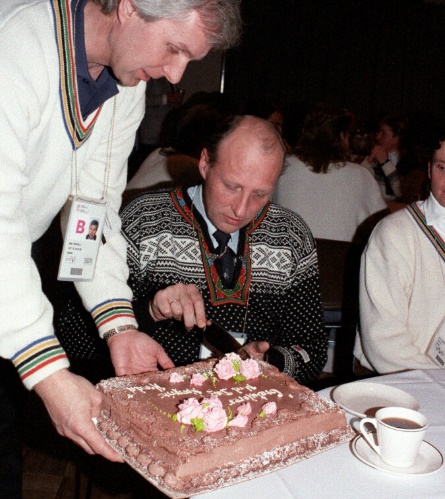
pixel 219 341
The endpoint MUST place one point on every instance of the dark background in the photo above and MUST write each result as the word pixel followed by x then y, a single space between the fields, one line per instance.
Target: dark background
pixel 372 57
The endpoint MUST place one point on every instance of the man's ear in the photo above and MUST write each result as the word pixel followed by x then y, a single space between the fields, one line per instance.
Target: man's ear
pixel 429 169
pixel 204 163
pixel 125 10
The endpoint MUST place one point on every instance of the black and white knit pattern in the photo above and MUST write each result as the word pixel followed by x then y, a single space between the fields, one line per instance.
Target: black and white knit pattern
pixel 284 305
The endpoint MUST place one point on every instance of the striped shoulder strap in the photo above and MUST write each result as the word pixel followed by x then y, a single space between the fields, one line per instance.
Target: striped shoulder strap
pixel 428 230
pixel 77 128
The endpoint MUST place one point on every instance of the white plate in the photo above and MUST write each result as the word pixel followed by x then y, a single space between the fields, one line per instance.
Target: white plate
pixel 364 399
pixel 429 459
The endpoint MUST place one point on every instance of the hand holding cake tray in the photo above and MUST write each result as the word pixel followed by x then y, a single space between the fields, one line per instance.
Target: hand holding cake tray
pixel 215 423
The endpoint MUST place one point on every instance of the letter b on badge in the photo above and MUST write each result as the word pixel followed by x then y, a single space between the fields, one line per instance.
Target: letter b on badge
pixel 80 227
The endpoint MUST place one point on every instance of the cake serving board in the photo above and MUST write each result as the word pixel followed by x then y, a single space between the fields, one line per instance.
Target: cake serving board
pixel 224 482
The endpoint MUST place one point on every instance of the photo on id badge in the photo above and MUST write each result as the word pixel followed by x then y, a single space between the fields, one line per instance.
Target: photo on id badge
pixel 92 230
pixel 82 240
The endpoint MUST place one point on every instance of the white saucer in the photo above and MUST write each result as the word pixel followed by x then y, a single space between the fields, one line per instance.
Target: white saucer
pixel 364 399
pixel 428 461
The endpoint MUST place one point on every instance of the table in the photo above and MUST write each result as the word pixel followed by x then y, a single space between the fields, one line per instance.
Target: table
pixel 337 473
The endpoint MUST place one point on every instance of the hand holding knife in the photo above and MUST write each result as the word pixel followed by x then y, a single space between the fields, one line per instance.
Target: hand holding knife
pixel 220 341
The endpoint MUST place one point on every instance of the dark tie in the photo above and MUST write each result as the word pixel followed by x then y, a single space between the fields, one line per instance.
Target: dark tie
pixel 226 257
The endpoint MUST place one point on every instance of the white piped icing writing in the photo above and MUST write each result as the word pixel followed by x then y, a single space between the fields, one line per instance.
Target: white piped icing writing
pixel 263 394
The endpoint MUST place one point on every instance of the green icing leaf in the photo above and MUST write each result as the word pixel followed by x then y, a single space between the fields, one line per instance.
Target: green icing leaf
pixel 229 414
pixel 262 414
pixel 239 377
pixel 182 427
pixel 198 424
pixel 236 365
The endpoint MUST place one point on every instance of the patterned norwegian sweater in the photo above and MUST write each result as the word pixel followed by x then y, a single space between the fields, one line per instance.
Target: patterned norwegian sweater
pixel 276 277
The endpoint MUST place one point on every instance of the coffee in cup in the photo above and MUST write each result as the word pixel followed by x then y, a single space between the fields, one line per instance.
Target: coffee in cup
pixel 400 433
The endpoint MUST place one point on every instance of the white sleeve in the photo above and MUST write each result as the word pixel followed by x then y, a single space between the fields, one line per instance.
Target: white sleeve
pixel 26 331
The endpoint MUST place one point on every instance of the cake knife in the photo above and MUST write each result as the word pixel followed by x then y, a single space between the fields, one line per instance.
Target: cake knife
pixel 220 341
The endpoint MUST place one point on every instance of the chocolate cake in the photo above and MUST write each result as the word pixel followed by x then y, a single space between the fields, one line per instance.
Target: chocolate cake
pixel 215 423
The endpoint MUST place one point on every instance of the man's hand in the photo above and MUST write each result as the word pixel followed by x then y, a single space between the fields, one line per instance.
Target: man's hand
pixel 378 155
pixel 257 349
pixel 72 401
pixel 181 302
pixel 133 352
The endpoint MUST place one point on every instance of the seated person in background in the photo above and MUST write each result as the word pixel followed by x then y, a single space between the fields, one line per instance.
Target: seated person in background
pixel 177 164
pixel 160 97
pixel 391 162
pixel 263 282
pixel 338 200
pixel 402 282
pixel 269 110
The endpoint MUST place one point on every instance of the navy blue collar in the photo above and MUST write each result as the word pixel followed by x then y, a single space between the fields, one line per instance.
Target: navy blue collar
pixel 92 93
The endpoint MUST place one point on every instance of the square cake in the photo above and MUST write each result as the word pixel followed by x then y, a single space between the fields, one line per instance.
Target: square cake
pixel 215 423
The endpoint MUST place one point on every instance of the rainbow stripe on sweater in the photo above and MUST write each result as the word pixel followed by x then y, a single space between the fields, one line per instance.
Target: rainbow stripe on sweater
pixel 111 310
pixel 37 355
pixel 78 129
pixel 428 230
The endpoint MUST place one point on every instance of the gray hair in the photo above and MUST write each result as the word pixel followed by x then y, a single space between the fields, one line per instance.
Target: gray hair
pixel 220 19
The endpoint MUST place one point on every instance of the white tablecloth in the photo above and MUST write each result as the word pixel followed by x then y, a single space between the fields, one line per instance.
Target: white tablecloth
pixel 337 473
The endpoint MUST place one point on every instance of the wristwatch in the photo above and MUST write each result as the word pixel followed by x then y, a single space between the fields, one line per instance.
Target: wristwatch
pixel 118 330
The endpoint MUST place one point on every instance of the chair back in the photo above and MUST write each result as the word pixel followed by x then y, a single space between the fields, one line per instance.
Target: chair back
pixel 339 266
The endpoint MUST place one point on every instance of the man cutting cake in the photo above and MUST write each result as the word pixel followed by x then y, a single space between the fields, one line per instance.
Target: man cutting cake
pixel 72 98
pixel 221 251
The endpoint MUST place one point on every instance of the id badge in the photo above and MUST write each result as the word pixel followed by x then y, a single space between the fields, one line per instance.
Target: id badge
pixel 83 235
pixel 205 353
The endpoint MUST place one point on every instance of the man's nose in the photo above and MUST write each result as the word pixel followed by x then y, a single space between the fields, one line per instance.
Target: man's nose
pixel 174 72
pixel 240 206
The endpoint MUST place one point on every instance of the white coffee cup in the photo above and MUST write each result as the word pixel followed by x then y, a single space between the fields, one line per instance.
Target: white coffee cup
pixel 400 432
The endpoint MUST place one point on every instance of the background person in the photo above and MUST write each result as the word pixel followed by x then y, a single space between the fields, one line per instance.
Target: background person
pixel 338 199
pixel 177 164
pixel 390 159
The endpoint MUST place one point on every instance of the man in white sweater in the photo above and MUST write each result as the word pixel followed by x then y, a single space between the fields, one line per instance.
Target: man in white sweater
pixel 402 282
pixel 73 85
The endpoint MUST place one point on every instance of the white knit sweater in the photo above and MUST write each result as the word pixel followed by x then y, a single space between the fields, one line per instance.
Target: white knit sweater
pixel 35 170
pixel 333 204
pixel 402 295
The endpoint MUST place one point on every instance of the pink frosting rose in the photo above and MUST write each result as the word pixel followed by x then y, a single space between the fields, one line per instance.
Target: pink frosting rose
pixel 215 419
pixel 239 420
pixel 250 368
pixel 211 403
pixel 197 379
pixel 224 369
pixel 176 378
pixel 270 408
pixel 189 410
pixel 233 356
pixel 244 409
